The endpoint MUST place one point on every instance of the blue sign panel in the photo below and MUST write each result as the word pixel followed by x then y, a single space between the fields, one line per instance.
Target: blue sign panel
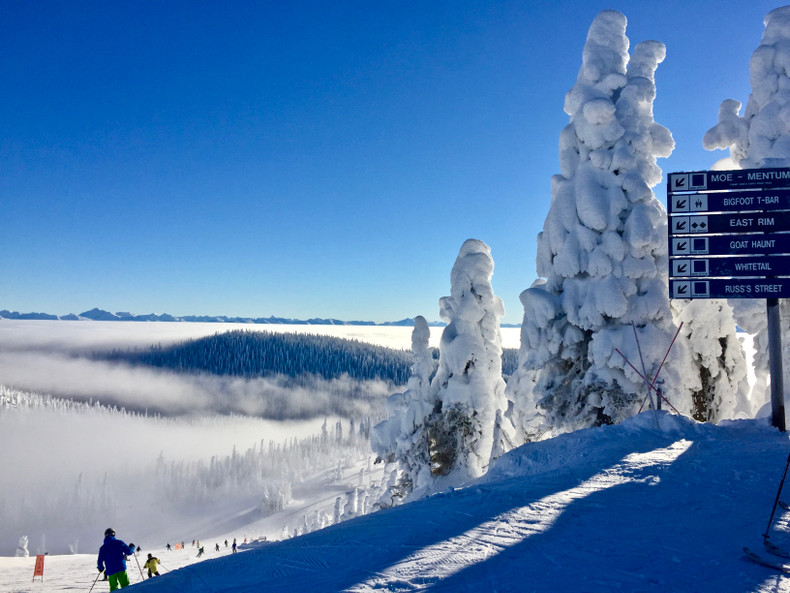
pixel 774 244
pixel 741 201
pixel 700 181
pixel 730 223
pixel 695 267
pixel 730 288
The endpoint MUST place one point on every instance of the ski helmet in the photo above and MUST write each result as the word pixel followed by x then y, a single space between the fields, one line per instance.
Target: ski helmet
pixel 109 532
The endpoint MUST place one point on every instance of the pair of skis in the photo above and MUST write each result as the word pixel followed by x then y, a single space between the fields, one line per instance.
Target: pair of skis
pixel 772 562
pixel 772 548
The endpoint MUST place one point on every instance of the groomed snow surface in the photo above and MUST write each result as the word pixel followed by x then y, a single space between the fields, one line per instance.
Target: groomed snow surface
pixel 658 503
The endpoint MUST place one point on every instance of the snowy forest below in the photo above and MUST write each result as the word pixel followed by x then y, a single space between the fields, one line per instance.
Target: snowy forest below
pixel 190 431
pixel 172 484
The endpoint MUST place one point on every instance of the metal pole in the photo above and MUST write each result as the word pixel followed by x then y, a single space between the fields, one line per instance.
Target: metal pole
pixel 644 372
pixel 778 494
pixel 138 565
pixel 775 365
pixel 94 582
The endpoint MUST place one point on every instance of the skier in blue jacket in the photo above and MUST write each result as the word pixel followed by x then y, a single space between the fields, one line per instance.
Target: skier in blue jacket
pixel 112 560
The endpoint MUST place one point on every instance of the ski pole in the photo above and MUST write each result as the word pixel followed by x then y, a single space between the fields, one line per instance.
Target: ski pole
pixel 776 502
pixel 138 565
pixel 96 580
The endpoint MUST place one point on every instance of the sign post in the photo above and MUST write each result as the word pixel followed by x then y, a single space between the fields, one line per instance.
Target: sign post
pixel 729 237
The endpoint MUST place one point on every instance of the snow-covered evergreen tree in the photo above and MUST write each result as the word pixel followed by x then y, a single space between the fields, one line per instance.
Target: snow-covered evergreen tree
pixel 21 549
pixel 468 384
pixel 401 439
pixel 454 423
pixel 760 139
pixel 717 355
pixel 602 254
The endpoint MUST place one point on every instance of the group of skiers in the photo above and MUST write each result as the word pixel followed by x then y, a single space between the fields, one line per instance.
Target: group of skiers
pixel 112 559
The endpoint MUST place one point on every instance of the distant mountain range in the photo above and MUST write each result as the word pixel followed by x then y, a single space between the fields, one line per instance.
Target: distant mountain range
pixel 101 315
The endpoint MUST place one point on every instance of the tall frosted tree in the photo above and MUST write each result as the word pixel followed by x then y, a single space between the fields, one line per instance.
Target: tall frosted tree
pixel 449 427
pixel 602 254
pixel 469 388
pixel 760 139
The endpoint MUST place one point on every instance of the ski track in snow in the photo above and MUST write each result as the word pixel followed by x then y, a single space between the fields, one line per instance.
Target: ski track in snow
pixel 438 562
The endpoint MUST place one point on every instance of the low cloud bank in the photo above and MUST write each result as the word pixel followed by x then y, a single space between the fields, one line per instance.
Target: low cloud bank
pixel 172 394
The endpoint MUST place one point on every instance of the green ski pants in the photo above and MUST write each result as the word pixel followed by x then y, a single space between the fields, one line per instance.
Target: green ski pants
pixel 119 579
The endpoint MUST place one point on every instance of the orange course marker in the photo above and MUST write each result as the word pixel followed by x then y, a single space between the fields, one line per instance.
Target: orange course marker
pixel 38 571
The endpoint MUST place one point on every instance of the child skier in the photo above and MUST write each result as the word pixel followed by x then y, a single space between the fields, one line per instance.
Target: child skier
pixel 152 566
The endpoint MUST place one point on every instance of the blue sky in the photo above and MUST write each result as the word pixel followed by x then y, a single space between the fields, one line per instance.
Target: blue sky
pixel 308 159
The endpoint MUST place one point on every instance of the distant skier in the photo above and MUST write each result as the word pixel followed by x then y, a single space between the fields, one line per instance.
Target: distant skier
pixel 234 545
pixel 216 547
pixel 200 551
pixel 167 547
pixel 152 566
pixel 226 543
pixel 112 560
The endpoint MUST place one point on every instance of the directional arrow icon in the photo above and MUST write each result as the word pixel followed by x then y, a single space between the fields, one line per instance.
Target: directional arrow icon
pixel 680 225
pixel 682 268
pixel 680 182
pixel 682 245
pixel 682 289
pixel 680 204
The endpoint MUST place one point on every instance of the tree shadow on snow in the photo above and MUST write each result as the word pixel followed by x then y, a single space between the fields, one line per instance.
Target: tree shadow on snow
pixel 360 551
pixel 678 528
pixel 674 526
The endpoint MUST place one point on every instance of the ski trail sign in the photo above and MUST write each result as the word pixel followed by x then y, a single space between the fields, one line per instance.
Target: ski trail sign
pixel 742 216
pixel 729 232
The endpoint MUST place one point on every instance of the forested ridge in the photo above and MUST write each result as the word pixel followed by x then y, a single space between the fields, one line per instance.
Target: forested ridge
pixel 259 354
pixel 250 354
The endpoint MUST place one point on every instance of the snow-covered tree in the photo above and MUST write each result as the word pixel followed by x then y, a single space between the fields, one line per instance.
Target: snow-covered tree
pixel 760 139
pixel 21 549
pixel 402 438
pixel 602 254
pixel 717 355
pixel 452 424
pixel 469 388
